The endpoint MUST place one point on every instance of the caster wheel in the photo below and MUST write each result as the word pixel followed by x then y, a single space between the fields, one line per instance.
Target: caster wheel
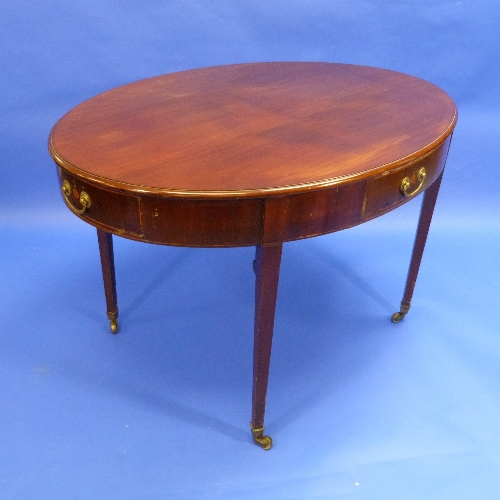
pixel 397 317
pixel 264 442
pixel 113 324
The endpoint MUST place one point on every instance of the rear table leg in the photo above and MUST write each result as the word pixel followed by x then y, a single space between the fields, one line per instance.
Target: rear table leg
pixel 108 274
pixel 424 223
pixel 267 269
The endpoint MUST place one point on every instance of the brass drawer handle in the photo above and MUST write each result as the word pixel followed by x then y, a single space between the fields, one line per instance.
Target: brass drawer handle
pixel 406 183
pixel 85 200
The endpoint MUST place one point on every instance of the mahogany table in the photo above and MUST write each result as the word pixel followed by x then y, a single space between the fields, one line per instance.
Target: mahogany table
pixel 253 154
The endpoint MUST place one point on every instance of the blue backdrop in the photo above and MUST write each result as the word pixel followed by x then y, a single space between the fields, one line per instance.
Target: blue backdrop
pixel 358 407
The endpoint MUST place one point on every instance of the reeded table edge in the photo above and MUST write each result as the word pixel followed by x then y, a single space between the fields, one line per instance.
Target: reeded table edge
pixel 256 192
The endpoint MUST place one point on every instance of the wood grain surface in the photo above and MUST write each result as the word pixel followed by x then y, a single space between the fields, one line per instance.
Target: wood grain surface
pixel 253 129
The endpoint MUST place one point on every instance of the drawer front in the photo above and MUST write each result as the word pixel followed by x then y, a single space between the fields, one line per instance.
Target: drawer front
pixel 107 209
pixel 202 223
pixel 305 215
pixel 389 190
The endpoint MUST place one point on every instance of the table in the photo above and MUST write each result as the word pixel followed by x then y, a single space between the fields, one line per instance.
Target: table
pixel 253 155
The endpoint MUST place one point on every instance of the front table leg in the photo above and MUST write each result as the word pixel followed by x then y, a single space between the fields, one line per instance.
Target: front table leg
pixel 424 222
pixel 108 275
pixel 267 270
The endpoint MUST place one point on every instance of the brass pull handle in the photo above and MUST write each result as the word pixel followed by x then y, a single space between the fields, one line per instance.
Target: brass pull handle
pixel 85 200
pixel 406 183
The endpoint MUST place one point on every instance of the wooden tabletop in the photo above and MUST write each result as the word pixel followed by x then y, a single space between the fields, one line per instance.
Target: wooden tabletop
pixel 252 129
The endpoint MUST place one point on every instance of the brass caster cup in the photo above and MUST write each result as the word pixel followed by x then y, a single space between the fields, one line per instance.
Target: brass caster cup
pixel 259 439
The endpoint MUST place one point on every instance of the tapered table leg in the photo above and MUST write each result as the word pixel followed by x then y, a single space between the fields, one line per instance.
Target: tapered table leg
pixel 267 270
pixel 108 274
pixel 424 222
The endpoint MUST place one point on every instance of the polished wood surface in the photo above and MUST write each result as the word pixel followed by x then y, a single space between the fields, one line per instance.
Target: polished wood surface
pixel 424 223
pixel 253 154
pixel 200 158
pixel 267 268
pixel 105 241
pixel 252 129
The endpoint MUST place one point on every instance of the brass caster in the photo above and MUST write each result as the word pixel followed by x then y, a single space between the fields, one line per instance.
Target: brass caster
pixel 265 442
pixel 259 439
pixel 397 317
pixel 113 324
pixel 113 320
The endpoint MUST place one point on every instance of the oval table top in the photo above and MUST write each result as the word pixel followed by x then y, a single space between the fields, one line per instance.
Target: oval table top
pixel 249 130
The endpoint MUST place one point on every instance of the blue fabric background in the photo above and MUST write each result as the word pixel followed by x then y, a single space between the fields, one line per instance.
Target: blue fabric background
pixel 358 407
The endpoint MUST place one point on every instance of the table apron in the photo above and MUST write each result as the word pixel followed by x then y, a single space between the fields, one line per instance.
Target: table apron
pixel 231 222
